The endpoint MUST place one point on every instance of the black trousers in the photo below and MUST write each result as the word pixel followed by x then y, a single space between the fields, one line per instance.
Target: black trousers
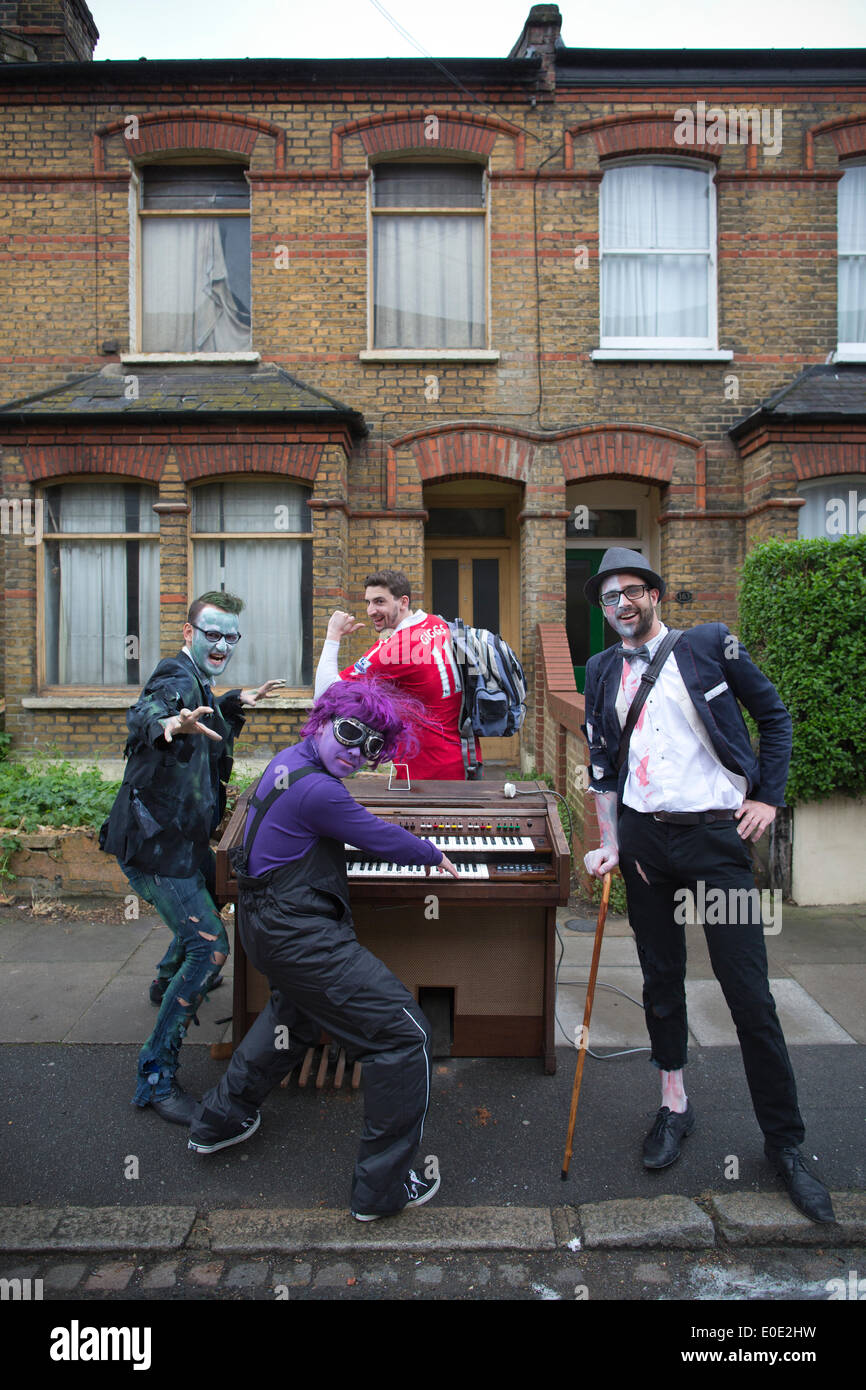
pixel 714 863
pixel 379 1022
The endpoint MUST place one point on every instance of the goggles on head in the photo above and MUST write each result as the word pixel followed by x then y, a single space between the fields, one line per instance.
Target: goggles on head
pixel 353 734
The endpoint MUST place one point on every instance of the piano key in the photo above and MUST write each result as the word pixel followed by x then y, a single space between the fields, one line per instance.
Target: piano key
pixel 466 843
pixel 366 868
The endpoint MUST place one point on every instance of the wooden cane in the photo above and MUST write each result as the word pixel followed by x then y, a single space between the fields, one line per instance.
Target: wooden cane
pixel 587 1015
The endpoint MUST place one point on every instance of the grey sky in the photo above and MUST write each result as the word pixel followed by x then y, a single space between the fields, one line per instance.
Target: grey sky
pixel 458 28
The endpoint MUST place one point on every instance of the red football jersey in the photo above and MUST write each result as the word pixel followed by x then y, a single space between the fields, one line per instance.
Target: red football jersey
pixel 420 657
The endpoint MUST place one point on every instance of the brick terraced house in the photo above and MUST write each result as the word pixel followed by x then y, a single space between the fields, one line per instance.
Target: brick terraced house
pixel 273 323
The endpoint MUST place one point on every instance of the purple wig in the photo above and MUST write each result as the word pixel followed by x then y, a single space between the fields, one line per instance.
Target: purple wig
pixel 376 703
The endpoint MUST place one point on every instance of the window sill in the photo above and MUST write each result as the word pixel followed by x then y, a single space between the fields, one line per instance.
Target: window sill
pixel 846 353
pixel 429 355
pixel 118 701
pixel 144 359
pixel 661 354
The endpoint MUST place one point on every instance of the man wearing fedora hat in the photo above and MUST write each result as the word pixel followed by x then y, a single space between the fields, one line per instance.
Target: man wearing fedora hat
pixel 676 808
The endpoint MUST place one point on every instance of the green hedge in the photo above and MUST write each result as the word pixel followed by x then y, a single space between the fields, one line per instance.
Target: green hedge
pixel 803 620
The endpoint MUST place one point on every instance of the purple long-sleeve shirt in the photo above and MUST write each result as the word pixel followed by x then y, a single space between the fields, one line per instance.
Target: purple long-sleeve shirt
pixel 322 805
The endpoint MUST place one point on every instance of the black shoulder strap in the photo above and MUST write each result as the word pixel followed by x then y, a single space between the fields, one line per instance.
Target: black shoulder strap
pixel 263 806
pixel 647 681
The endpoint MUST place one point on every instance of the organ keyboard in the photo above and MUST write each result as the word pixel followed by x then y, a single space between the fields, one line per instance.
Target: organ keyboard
pixel 364 868
pixel 477 952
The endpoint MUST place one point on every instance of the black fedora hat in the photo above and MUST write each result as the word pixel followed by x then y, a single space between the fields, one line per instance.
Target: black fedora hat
pixel 620 561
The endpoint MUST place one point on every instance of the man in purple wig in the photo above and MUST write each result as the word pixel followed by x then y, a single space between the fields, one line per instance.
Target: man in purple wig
pixel 296 927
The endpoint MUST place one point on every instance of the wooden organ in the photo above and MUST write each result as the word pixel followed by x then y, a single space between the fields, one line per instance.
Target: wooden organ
pixel 477 952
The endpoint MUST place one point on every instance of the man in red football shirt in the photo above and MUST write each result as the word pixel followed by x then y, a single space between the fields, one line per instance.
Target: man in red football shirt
pixel 418 655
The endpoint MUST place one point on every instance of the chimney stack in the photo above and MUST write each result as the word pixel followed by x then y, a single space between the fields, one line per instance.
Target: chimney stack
pixel 47 31
pixel 539 39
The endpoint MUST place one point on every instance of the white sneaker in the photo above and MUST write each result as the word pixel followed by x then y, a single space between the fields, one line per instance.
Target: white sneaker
pixel 418 1191
pixel 248 1128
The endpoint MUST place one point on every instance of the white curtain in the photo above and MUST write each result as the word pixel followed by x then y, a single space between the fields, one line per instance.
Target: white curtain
pixel 267 576
pixel 832 509
pixel 852 256
pixel 192 300
pixel 86 608
pixel 647 209
pixel 92 633
pixel 429 282
pixel 265 573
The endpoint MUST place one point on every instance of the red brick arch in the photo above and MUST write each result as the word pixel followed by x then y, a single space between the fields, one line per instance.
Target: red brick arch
pixel 143 462
pixel 829 458
pixel 469 451
pixel 636 452
pixel 645 132
pixel 204 461
pixel 213 132
pixel 848 134
pixel 456 132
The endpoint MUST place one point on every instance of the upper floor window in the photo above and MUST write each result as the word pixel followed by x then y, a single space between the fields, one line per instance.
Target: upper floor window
pixel 852 258
pixel 100 583
pixel 429 256
pixel 658 262
pixel 253 538
pixel 195 258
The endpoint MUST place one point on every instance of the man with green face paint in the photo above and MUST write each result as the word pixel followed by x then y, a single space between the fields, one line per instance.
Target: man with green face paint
pixel 179 758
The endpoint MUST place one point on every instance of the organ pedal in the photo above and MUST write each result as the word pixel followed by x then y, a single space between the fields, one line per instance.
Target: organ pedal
pixel 322 1070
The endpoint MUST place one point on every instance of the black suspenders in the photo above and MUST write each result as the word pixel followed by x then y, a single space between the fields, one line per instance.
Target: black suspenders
pixel 262 807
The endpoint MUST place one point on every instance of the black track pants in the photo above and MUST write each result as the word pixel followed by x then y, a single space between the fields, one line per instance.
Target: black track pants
pixel 380 1024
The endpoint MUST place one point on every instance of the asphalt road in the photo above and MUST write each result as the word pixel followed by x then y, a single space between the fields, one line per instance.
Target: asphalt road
pixel 496 1126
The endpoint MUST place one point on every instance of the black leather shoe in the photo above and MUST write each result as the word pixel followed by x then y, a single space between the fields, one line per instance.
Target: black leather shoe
pixel 807 1192
pixel 157 991
pixel 662 1145
pixel 178 1108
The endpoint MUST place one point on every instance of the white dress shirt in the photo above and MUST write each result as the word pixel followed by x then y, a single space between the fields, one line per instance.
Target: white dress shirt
pixel 672 765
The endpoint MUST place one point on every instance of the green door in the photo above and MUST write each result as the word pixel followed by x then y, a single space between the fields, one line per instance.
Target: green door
pixel 584 624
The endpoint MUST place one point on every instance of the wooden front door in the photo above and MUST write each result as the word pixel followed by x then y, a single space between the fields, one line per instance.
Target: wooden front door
pixel 476 580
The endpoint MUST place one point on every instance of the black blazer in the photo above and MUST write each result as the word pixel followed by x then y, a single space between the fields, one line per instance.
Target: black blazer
pixel 719 676
pixel 173 794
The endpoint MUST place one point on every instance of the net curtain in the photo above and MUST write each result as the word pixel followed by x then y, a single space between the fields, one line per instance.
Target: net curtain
pixel 266 574
pixel 655 209
pixel 89 599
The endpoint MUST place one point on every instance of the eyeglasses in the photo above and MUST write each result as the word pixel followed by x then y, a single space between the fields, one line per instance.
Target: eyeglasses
pixel 213 635
pixel 613 596
pixel 353 734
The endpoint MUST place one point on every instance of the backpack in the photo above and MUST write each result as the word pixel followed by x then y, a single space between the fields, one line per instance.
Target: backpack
pixel 493 686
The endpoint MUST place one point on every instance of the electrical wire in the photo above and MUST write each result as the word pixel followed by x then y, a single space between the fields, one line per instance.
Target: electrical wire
pixel 599 1056
pixel 535 413
pixel 446 72
pixel 533 791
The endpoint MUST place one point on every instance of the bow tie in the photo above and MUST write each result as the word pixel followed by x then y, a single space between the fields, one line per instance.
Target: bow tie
pixel 634 653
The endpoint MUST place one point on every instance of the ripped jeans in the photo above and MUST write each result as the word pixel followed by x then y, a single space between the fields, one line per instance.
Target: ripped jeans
pixel 187 908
